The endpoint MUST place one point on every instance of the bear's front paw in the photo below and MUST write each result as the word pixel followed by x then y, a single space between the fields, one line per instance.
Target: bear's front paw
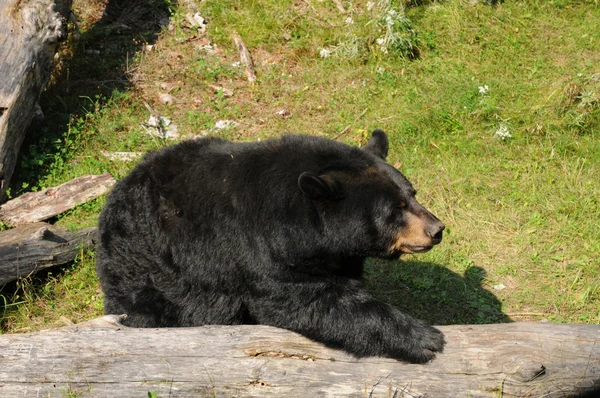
pixel 428 341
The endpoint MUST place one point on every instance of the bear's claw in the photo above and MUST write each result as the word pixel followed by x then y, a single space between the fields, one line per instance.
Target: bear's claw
pixel 429 343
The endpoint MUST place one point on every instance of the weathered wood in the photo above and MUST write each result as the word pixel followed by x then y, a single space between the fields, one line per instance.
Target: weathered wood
pixel 42 205
pixel 29 33
pixel 33 247
pixel 245 57
pixel 104 359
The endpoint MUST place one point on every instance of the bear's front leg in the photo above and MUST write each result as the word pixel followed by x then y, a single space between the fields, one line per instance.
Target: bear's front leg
pixel 339 313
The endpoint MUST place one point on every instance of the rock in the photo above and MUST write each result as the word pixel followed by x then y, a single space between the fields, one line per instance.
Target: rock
pixel 167 99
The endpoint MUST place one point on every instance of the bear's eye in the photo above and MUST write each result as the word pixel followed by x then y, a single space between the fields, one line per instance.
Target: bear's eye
pixel 399 208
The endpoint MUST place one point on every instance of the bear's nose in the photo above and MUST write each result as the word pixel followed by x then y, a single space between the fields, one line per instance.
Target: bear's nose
pixel 435 232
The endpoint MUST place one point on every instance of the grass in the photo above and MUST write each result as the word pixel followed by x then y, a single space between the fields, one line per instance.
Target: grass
pixel 521 205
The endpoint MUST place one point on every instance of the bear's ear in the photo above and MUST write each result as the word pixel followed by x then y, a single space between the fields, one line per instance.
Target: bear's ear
pixel 378 145
pixel 319 187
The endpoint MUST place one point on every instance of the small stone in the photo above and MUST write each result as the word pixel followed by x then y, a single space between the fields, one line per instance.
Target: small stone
pixel 226 92
pixel 225 124
pixel 166 99
pixel 284 114
pixel 197 21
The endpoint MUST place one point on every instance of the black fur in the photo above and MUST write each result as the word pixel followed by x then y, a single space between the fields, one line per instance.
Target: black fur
pixel 273 233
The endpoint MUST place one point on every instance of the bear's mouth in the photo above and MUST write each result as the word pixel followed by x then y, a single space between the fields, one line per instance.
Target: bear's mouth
pixel 415 249
pixel 407 249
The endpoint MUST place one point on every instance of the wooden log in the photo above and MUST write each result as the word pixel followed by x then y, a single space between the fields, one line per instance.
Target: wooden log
pixel 104 359
pixel 29 33
pixel 245 57
pixel 33 247
pixel 42 205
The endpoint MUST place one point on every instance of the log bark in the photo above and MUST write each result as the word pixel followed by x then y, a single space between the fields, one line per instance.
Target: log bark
pixel 29 33
pixel 105 359
pixel 42 205
pixel 33 247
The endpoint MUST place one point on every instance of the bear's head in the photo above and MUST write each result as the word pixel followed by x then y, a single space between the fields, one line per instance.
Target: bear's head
pixel 368 207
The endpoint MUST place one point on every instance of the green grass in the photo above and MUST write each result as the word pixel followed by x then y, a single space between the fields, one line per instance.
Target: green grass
pixel 53 299
pixel 522 211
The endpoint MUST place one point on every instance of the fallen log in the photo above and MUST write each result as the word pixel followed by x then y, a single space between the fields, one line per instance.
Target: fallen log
pixel 42 205
pixel 29 33
pixel 33 247
pixel 102 358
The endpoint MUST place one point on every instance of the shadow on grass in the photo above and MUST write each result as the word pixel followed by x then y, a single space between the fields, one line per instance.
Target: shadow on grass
pixel 94 63
pixel 422 289
pixel 434 293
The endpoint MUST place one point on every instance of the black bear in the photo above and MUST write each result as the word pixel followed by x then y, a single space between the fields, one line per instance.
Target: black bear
pixel 274 233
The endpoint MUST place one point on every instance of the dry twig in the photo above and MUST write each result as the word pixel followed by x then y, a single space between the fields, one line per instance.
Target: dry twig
pixel 245 57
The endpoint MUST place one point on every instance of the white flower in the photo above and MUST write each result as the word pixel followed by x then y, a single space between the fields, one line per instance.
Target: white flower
pixel 483 89
pixel 324 53
pixel 503 132
pixel 225 124
pixel 370 5
pixel 349 21
pixel 236 64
